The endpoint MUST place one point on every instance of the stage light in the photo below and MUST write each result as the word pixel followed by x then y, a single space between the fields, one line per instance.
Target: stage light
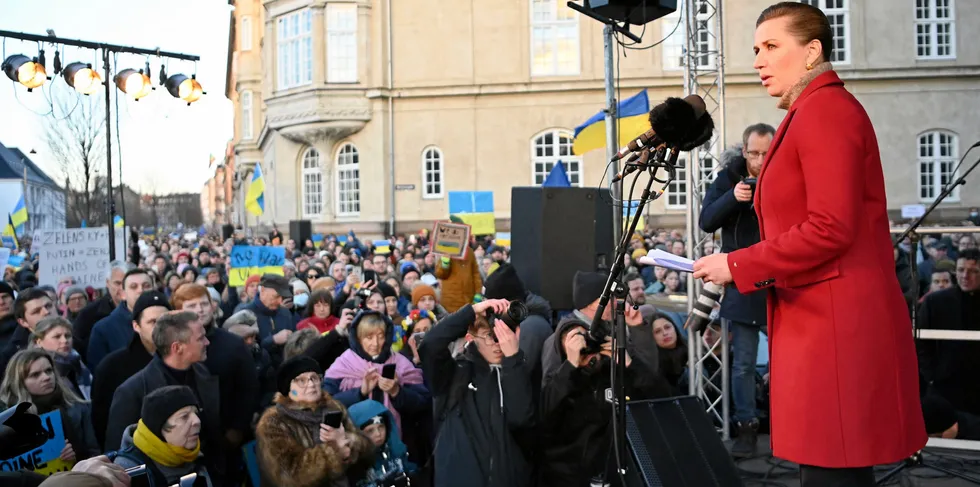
pixel 134 83
pixel 187 89
pixel 24 70
pixel 82 77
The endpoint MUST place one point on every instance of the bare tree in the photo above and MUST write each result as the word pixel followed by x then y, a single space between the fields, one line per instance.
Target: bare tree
pixel 75 134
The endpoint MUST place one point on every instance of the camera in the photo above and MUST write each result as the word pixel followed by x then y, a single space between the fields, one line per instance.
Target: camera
pixel 515 314
pixel 750 182
pixel 361 298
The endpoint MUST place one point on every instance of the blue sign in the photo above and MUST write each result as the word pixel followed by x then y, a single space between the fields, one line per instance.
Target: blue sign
pixel 247 260
pixel 45 459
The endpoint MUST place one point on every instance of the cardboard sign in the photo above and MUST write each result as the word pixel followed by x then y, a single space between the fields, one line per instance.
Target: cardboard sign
pixel 79 253
pixel 451 239
pixel 44 459
pixel 247 260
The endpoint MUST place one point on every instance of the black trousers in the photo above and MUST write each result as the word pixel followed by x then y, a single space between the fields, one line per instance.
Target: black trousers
pixel 811 476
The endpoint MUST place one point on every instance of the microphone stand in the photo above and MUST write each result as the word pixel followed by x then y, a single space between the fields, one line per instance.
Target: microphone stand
pixel 617 393
pixel 916 460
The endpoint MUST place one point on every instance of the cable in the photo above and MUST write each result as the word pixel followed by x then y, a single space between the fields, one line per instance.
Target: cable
pixel 680 18
pixel 122 196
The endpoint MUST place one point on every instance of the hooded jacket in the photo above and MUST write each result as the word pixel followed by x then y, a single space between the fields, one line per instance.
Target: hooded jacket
pixel 390 458
pixel 739 229
pixel 478 407
pixel 158 475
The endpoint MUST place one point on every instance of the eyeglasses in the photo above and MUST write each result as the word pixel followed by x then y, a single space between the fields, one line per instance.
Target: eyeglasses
pixel 756 154
pixel 311 379
pixel 488 339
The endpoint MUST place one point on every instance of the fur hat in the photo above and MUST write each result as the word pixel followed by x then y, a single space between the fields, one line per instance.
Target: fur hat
pixel 504 283
pixel 587 287
pixel 419 291
pixel 292 368
pixel 162 403
pixel 243 323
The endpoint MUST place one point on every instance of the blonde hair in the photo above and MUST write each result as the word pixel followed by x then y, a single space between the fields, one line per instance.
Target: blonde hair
pixel 369 324
pixel 45 326
pixel 13 390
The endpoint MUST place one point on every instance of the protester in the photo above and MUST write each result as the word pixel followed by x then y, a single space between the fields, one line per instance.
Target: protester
pixel 460 278
pixel 53 334
pixel 30 307
pixel 274 320
pixel 318 312
pixel 100 308
pixel 74 299
pixel 8 322
pixel 391 463
pixel 115 331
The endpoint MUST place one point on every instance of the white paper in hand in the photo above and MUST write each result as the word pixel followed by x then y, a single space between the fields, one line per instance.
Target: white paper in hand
pixel 665 259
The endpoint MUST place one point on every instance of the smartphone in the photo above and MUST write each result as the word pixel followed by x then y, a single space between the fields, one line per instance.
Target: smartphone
pixel 388 371
pixel 371 276
pixel 138 476
pixel 750 181
pixel 333 419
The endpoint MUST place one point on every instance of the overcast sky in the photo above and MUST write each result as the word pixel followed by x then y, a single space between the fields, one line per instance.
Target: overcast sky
pixel 165 144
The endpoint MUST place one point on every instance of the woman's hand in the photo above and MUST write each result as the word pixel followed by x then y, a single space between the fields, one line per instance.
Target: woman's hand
pixel 413 344
pixel 713 268
pixel 370 381
pixel 389 386
pixel 67 453
pixel 346 317
pixel 336 436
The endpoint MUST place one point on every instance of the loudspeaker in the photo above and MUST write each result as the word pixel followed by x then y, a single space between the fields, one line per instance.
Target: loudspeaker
pixel 636 12
pixel 556 232
pixel 672 443
pixel 300 231
pixel 227 231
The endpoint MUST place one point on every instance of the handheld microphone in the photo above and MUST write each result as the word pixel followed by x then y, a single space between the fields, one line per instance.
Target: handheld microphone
pixel 671 123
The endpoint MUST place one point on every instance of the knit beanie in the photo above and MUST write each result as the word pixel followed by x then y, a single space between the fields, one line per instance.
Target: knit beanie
pixel 504 283
pixel 421 290
pixel 292 368
pixel 407 267
pixel 6 289
pixel 162 403
pixel 587 287
pixel 73 290
pixel 386 290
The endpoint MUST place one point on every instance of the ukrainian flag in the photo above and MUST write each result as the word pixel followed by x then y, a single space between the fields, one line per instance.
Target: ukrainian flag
pixel 474 208
pixel 19 215
pixel 118 222
pixel 9 235
pixel 255 198
pixel 633 120
pixel 382 247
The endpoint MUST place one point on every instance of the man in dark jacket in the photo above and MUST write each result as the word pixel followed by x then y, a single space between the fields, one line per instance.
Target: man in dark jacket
pixel 481 399
pixel 728 206
pixel 8 323
pixel 275 321
pixel 120 365
pixel 181 346
pixel 100 308
pixel 30 307
pixel 115 331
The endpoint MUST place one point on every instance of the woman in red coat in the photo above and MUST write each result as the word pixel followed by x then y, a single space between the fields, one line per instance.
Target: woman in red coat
pixel 844 386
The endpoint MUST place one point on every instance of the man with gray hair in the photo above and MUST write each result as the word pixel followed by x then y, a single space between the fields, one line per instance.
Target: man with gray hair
pixel 100 308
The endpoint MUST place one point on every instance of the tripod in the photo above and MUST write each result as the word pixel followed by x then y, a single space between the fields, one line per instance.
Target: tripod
pixel 916 460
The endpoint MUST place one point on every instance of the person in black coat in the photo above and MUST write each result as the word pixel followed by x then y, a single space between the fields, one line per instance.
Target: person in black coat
pixel 100 308
pixel 175 363
pixel 123 364
pixel 728 206
pixel 30 307
pixel 8 323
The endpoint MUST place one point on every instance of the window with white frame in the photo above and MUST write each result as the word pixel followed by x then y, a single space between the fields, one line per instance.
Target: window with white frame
pixel 294 37
pixel 246 102
pixel 837 13
pixel 938 153
pixel 348 181
pixel 245 36
pixel 677 189
pixel 432 180
pixel 707 170
pixel 341 43
pixel 549 148
pixel 674 45
pixel 312 183
pixel 554 39
pixel 935 33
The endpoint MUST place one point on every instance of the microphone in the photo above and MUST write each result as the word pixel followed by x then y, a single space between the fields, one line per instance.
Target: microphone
pixel 630 166
pixel 670 123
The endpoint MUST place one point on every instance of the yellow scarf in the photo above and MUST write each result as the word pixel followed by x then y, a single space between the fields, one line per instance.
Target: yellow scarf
pixel 162 452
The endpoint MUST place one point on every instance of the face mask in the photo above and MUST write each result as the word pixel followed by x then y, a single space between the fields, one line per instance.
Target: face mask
pixel 300 300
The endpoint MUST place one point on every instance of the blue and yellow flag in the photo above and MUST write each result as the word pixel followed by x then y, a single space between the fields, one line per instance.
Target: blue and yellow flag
pixel 255 198
pixel 633 120
pixel 118 222
pixel 382 247
pixel 19 215
pixel 474 208
pixel 9 235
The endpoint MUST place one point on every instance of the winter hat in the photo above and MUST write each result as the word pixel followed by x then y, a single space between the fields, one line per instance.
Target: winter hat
pixel 162 403
pixel 419 291
pixel 6 289
pixel 71 291
pixel 252 279
pixel 243 323
pixel 292 368
pixel 408 267
pixel 386 290
pixel 300 287
pixel 587 287
pixel 429 279
pixel 504 283
pixel 938 414
pixel 149 299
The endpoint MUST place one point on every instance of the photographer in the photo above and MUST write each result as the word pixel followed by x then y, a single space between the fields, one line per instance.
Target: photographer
pixel 728 206
pixel 482 398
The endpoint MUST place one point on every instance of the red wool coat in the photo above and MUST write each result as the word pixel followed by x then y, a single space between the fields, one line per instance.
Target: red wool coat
pixel 843 371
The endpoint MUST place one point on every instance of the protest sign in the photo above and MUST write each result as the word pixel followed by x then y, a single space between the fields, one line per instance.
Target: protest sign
pixel 247 260
pixel 451 239
pixel 4 257
pixel 79 253
pixel 45 458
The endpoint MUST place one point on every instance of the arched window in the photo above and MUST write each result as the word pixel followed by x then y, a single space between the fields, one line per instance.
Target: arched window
pixel 938 153
pixel 550 147
pixel 432 176
pixel 348 181
pixel 312 183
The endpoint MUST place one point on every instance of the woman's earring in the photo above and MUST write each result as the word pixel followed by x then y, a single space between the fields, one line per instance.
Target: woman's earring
pixel 809 66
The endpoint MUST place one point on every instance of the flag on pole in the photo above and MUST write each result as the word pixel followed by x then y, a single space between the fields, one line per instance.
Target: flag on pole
pixel 557 178
pixel 118 222
pixel 10 235
pixel 255 198
pixel 633 120
pixel 19 215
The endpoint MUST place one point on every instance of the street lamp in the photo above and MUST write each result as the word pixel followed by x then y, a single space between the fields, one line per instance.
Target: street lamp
pixel 82 77
pixel 24 70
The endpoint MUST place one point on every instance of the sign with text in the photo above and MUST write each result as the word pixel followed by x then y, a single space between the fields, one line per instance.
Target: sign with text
pixel 247 260
pixel 44 459
pixel 79 253
pixel 451 239
pixel 913 211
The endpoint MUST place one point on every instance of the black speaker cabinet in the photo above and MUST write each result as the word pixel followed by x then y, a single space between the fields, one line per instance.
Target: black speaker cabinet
pixel 227 231
pixel 300 231
pixel 672 443
pixel 636 12
pixel 556 232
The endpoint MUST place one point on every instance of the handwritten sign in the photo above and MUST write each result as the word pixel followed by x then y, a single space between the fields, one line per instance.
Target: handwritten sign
pixel 44 459
pixel 79 253
pixel 248 260
pixel 451 239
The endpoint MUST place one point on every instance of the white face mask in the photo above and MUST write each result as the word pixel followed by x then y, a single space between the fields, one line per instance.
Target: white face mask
pixel 300 300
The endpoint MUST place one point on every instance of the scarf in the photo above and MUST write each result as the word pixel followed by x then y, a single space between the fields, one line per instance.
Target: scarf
pixel 792 94
pixel 162 452
pixel 310 415
pixel 350 369
pixel 72 368
pixel 321 325
pixel 48 402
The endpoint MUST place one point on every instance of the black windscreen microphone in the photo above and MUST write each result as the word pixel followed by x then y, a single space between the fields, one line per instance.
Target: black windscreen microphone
pixel 671 123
